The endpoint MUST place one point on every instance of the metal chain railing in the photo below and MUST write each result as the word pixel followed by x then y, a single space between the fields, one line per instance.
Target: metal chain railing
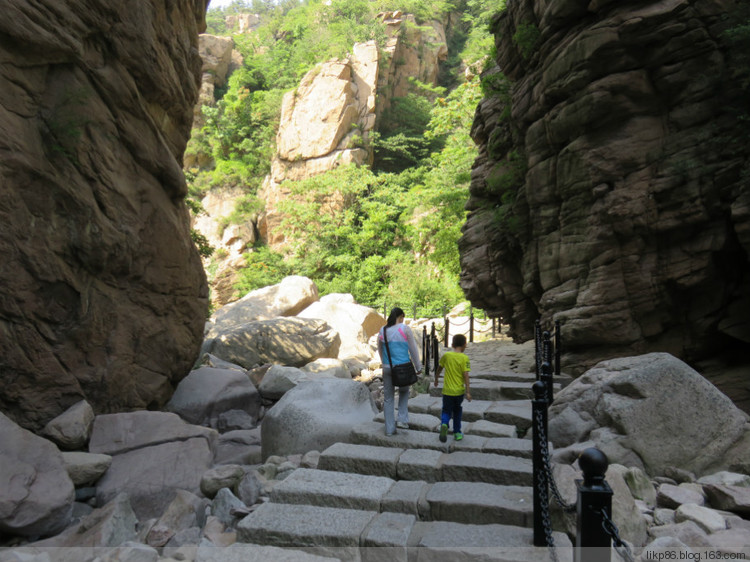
pixel 621 547
pixel 547 468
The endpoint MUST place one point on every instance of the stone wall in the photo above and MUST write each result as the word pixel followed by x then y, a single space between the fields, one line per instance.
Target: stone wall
pixel 103 294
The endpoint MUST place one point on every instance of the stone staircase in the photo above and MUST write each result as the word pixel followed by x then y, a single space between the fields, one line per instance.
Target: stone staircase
pixel 411 497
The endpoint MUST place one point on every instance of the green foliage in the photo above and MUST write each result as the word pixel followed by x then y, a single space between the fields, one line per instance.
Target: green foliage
pixel 263 267
pixel 201 242
pixel 386 234
pixel 526 38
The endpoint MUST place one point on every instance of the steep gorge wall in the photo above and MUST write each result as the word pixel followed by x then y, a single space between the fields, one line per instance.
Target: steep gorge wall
pixel 609 192
pixel 102 293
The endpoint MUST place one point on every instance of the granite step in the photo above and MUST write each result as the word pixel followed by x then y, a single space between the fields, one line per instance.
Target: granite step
pixel 429 465
pixel 510 376
pixel 457 501
pixel 509 412
pixel 373 433
pixel 485 389
pixel 484 428
pixel 342 533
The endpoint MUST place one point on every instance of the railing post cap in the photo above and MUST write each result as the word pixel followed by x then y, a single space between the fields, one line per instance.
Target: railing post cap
pixel 540 390
pixel 593 464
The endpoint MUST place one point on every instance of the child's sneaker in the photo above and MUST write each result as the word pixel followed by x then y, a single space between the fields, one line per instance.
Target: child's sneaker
pixel 458 436
pixel 444 432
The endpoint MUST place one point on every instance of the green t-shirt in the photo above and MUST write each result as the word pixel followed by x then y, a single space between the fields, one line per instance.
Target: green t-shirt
pixel 454 364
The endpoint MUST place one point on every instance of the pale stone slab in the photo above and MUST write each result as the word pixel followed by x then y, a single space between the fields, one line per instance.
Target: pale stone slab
pixel 484 428
pixel 373 433
pixel 361 459
pixel 424 404
pixel 672 496
pixel 304 525
pixel 511 412
pixel 484 467
pixel 499 542
pixel 332 489
pixel 420 464
pixel 419 422
pixel 707 519
pixel 389 530
pixel 509 446
pixel 480 503
pixel 481 389
pixel 472 411
pixel 407 496
pixel 239 552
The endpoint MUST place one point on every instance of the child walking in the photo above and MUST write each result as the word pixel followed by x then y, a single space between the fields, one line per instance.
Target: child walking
pixel 455 386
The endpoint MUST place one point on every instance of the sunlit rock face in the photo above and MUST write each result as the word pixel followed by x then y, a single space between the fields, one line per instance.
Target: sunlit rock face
pixel 612 187
pixel 102 293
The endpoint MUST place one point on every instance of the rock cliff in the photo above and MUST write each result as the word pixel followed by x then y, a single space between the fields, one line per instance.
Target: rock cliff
pixel 103 294
pixel 326 122
pixel 611 191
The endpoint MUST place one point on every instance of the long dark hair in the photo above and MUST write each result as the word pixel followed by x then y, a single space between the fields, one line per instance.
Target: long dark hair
pixel 396 312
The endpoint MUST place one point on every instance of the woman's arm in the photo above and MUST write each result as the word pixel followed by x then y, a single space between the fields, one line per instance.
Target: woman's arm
pixel 413 351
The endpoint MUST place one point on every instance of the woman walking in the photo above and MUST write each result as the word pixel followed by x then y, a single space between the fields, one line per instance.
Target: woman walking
pixel 402 348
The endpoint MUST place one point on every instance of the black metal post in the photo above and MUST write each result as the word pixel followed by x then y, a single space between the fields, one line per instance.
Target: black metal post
pixel 593 544
pixel 538 348
pixel 539 441
pixel 447 323
pixel 471 324
pixel 425 348
pixel 548 381
pixel 558 347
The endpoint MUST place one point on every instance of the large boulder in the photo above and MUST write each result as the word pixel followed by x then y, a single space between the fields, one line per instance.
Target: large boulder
pixel 314 415
pixel 355 323
pixel 36 493
pixel 154 454
pixel 206 393
pixel 279 379
pixel 104 293
pixel 652 411
pixel 286 341
pixel 287 298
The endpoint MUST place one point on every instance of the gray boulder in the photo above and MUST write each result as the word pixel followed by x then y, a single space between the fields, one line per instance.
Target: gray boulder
pixel 111 525
pixel 71 429
pixel 206 393
pixel 279 379
pixel 284 341
pixel 186 510
pixel 85 468
pixel 314 416
pixel 154 454
pixel 36 493
pixel 652 411
pixel 288 298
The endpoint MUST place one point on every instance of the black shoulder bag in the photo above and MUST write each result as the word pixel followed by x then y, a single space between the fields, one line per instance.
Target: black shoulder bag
pixel 403 374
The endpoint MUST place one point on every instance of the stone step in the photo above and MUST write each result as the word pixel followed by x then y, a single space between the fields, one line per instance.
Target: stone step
pixel 422 464
pixel 344 531
pixel 373 433
pixel 484 428
pixel 484 389
pixel 461 502
pixel 509 412
pixel 510 376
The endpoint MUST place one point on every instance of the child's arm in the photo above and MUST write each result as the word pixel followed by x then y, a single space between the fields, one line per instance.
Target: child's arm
pixel 437 374
pixel 466 384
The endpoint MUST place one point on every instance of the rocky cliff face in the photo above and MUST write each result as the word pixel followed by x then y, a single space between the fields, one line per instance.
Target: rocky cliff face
pixel 610 191
pixel 103 294
pixel 327 120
